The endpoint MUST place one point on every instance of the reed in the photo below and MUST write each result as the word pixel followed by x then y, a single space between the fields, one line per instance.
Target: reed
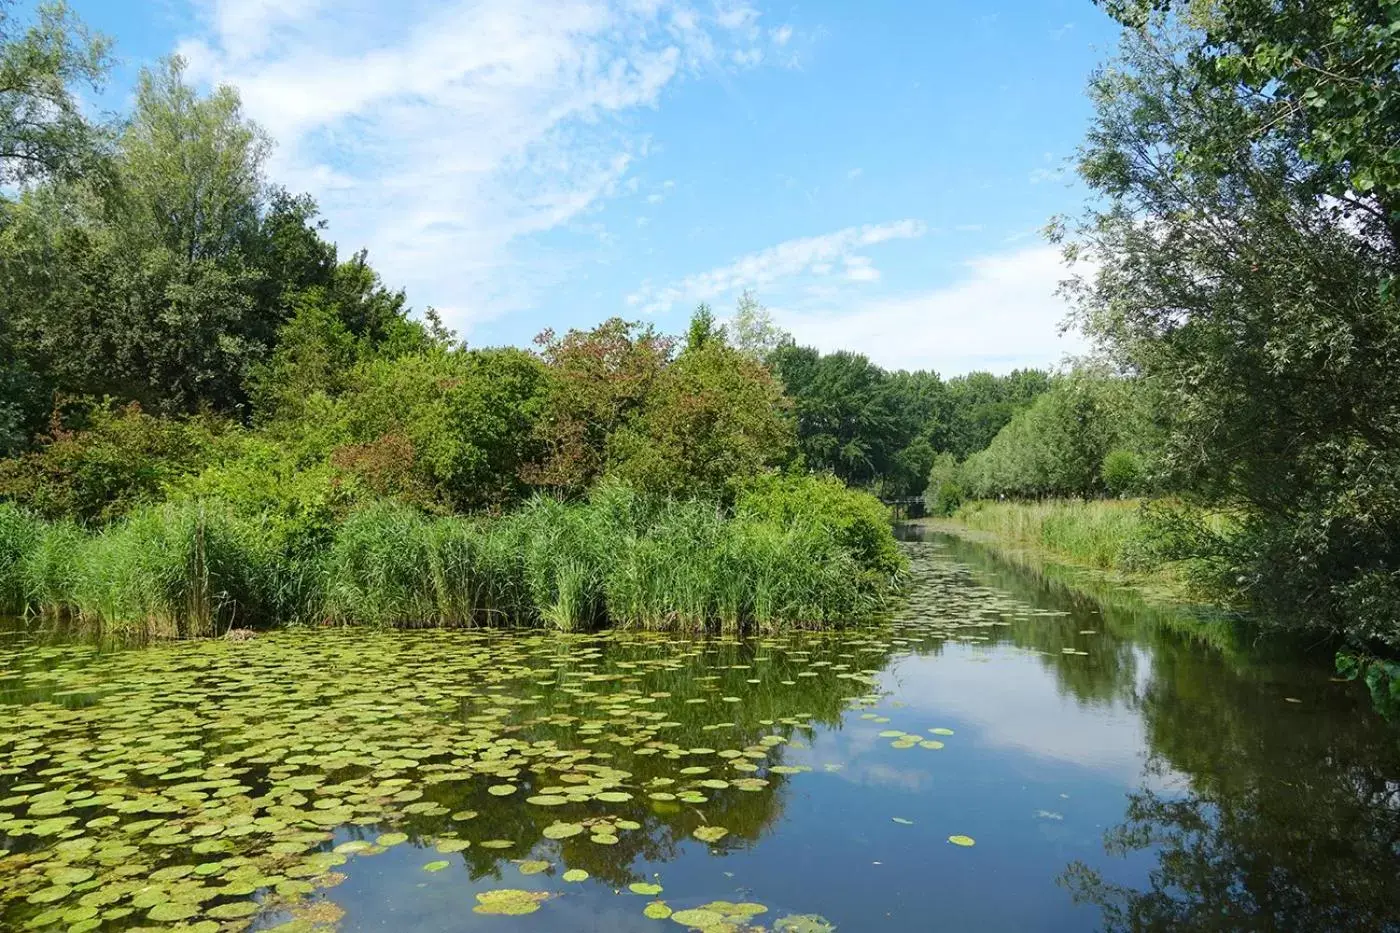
pixel 618 558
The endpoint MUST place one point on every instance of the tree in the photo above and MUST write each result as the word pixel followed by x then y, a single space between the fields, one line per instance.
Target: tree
pixel 715 418
pixel 167 283
pixel 753 331
pixel 1320 72
pixel 43 131
pixel 597 380
pixel 1243 272
pixel 845 422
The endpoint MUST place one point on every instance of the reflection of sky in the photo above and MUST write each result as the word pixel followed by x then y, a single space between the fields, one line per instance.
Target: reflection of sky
pixel 1015 703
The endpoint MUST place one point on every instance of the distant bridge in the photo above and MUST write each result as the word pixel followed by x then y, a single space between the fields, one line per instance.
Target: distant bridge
pixel 903 510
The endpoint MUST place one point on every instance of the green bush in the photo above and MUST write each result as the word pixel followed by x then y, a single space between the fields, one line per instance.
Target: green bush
pixel 119 459
pixel 1122 472
pixel 856 521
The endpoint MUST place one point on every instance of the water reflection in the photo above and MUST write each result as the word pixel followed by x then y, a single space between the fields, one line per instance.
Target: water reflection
pixel 1269 797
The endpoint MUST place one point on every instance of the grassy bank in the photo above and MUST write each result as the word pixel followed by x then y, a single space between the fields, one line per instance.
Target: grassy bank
pixel 1103 534
pixel 801 552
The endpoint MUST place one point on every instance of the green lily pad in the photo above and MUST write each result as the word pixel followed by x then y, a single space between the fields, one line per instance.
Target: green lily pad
pixel 645 888
pixel 509 902
pixel 438 865
pixel 710 833
pixel 575 875
pixel 656 910
pixel 962 840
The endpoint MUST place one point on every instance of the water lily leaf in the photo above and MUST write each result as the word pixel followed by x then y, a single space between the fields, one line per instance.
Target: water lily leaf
pixel 562 830
pixel 533 867
pixel 645 888
pixel 656 910
pixel 438 865
pixel 391 839
pixel 962 840
pixel 941 731
pixel 710 833
pixel 575 875
pixel 509 902
pixel 697 918
pixel 803 923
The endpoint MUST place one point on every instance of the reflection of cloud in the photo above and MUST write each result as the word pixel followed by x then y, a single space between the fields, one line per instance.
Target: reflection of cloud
pixel 881 775
pixel 1016 703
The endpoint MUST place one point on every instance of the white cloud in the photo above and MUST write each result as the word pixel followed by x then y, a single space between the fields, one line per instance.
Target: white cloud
pixel 782 35
pixel 445 135
pixel 1003 313
pixel 809 255
pixel 855 173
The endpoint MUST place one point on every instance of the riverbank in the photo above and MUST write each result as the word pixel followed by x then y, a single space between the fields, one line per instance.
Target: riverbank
pixel 1099 548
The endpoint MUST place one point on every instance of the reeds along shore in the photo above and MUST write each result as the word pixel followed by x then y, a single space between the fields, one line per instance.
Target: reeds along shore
pixel 776 559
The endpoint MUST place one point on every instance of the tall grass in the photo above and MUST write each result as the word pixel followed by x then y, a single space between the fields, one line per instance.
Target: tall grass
pixel 619 558
pixel 1105 534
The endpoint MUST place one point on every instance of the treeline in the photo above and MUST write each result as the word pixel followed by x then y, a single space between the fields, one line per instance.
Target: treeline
pixel 1244 235
pixel 1092 434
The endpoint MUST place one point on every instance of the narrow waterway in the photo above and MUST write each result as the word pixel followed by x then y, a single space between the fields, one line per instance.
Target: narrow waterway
pixel 1007 754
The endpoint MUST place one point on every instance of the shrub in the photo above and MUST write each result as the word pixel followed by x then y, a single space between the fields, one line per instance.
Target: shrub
pixel 856 521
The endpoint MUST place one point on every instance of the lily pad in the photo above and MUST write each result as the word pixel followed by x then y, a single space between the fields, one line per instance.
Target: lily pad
pixel 509 902
pixel 962 840
pixel 710 833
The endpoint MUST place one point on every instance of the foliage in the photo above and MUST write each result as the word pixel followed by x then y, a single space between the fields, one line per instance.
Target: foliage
pixel 621 557
pixel 1325 74
pixel 1259 297
pixel 753 331
pixel 1108 535
pixel 714 417
pixel 113 460
pixel 43 132
pixel 855 520
pixel 944 492
pixel 452 428
pixel 598 380
pixel 1122 472
pixel 1058 446
pixel 160 281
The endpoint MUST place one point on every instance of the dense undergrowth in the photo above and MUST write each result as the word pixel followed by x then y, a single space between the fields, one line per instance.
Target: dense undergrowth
pixel 791 552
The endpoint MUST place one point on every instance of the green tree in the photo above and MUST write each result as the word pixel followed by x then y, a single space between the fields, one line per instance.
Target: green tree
pixel 597 381
pixel 715 418
pixel 43 131
pixel 167 283
pixel 1242 268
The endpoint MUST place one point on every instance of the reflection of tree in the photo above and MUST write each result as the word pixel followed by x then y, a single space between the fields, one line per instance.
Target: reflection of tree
pixel 588 681
pixel 1292 819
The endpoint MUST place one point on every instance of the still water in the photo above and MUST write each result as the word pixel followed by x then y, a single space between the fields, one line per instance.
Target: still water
pixel 1007 754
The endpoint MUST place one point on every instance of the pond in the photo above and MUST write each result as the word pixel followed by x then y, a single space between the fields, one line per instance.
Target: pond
pixel 1004 755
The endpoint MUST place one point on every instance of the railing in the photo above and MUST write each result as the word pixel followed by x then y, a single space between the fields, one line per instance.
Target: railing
pixel 903 510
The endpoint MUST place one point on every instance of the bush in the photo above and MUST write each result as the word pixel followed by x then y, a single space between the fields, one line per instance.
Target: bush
pixel 856 521
pixel 1121 472
pixel 118 460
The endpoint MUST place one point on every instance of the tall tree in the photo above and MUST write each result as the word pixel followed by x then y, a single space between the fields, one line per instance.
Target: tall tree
pixel 1242 269
pixel 43 131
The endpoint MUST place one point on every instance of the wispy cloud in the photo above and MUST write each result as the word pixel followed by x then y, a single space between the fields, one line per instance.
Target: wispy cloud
pixel 815 255
pixel 1001 313
pixel 444 135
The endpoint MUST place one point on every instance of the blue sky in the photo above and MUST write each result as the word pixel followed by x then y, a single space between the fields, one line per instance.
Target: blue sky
pixel 877 172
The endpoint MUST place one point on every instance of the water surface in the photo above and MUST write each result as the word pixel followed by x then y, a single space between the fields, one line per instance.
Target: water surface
pixel 1110 771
